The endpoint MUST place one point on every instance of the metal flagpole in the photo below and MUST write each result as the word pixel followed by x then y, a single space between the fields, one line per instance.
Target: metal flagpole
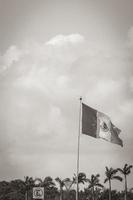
pixel 78 148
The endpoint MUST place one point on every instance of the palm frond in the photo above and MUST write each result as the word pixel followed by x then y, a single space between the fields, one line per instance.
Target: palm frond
pixel 88 180
pixel 107 169
pixel 114 171
pixel 106 179
pixel 99 185
pixel 129 169
pixel 125 166
pixel 90 186
pixel 117 178
pixel 120 170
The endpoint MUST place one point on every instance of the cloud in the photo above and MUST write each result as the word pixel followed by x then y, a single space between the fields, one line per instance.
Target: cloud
pixel 39 87
pixel 61 40
pixel 13 54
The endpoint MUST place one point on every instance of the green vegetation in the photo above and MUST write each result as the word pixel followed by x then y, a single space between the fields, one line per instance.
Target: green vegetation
pixel 55 189
pixel 125 171
pixel 111 175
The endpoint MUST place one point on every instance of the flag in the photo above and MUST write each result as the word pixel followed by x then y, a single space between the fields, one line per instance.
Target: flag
pixel 99 125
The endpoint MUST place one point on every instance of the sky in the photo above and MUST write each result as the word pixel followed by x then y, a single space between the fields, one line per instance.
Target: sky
pixel 51 53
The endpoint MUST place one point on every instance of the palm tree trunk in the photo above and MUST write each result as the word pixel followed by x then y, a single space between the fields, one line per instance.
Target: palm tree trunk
pixel 61 193
pixel 67 194
pixel 125 187
pixel 93 193
pixel 26 195
pixel 77 193
pixel 109 189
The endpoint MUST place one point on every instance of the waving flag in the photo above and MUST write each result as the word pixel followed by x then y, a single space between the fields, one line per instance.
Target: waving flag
pixel 99 125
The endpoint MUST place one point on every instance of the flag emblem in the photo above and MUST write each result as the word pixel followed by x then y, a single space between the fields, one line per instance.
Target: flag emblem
pixel 99 125
pixel 104 127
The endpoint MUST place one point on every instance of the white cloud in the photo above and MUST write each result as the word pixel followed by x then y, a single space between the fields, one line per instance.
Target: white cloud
pixel 40 92
pixel 13 54
pixel 60 40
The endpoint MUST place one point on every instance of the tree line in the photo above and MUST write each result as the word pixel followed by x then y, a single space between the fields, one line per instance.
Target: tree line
pixel 61 189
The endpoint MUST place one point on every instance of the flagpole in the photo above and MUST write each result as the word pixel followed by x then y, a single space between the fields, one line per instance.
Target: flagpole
pixel 79 130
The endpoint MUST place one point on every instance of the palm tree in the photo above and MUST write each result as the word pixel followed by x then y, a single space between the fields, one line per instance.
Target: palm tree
pixel 48 182
pixel 125 171
pixel 68 183
pixel 110 175
pixel 28 184
pixel 49 187
pixel 94 182
pixel 81 179
pixel 61 185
